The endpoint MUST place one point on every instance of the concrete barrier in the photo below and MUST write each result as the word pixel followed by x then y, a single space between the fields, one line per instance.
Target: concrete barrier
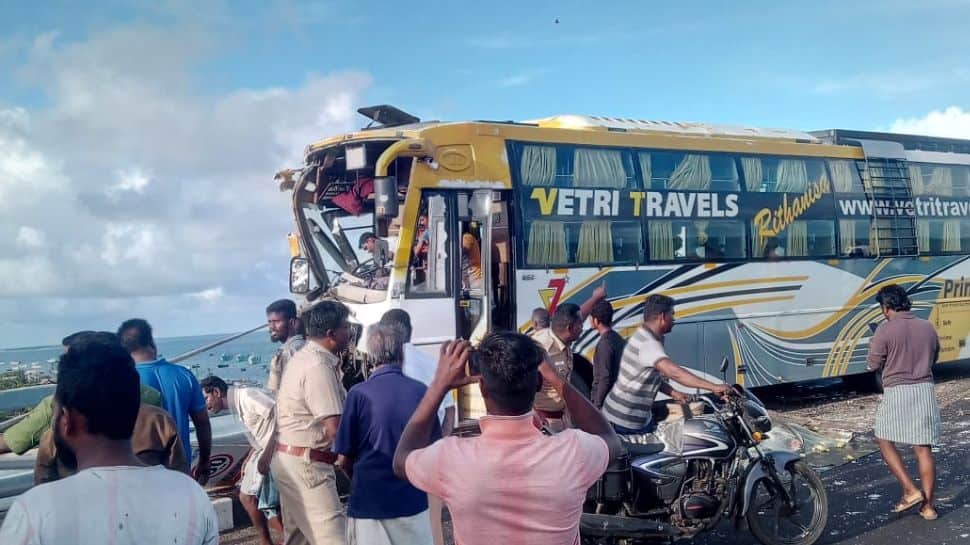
pixel 223 507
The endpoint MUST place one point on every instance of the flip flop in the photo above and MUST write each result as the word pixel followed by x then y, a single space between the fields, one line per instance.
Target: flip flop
pixel 908 503
pixel 930 515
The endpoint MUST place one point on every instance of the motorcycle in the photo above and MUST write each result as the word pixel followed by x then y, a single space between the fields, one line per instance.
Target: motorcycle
pixel 709 467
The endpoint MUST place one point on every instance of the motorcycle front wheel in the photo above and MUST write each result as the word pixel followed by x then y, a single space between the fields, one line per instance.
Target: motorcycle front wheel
pixel 774 523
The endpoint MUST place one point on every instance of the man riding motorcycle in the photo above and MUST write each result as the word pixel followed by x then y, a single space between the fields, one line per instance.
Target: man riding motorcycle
pixel 644 370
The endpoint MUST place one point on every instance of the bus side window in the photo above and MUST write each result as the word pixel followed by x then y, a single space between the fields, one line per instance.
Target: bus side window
pixel 855 238
pixel 696 240
pixel 429 259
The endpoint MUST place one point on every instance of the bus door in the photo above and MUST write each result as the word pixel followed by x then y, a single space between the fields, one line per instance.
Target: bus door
pixel 431 287
pixel 473 270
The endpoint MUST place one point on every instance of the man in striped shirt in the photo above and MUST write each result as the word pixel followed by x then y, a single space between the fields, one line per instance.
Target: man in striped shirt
pixel 643 372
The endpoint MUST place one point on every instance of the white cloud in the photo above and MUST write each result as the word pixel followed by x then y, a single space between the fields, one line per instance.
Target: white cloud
pixel 133 182
pixel 211 294
pixel 130 180
pixel 30 238
pixel 517 80
pixel 521 78
pixel 891 83
pixel 953 122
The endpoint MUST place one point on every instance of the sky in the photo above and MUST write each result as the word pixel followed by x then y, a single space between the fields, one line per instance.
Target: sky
pixel 138 144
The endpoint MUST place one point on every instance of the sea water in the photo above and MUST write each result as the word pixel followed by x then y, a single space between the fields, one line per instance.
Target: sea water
pixel 209 362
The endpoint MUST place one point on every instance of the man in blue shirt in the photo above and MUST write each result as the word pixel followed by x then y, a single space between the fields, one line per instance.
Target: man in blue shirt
pixel 181 394
pixel 382 508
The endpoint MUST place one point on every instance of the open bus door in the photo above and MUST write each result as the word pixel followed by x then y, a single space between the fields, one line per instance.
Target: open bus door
pixel 458 284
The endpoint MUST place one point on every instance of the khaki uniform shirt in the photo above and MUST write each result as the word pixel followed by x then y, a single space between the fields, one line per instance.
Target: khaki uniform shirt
pixel 310 391
pixel 154 439
pixel 282 356
pixel 561 357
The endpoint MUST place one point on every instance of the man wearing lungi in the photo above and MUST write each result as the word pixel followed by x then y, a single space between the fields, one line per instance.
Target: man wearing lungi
pixel 904 349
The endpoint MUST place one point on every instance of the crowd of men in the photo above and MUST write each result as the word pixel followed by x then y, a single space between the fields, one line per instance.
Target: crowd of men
pixel 119 423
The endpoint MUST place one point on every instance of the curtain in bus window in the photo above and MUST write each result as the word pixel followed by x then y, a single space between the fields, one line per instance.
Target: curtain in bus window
pixel 547 243
pixel 792 176
pixel 847 241
pixel 951 236
pixel 646 168
pixel 916 177
pixel 598 168
pixel 923 236
pixel 661 234
pixel 842 176
pixel 758 242
pixel 538 165
pixel 595 243
pixel 941 182
pixel 693 172
pixel 753 175
pixel 797 239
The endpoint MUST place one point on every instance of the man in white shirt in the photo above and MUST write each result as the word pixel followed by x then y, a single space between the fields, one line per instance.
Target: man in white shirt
pixel 112 498
pixel 421 367
pixel 255 407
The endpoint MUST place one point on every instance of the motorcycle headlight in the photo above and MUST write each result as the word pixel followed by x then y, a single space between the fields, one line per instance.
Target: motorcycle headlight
pixel 756 417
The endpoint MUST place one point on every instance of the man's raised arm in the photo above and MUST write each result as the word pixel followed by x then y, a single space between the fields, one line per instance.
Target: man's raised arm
pixel 420 429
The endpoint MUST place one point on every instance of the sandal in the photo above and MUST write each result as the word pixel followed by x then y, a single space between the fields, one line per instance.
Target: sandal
pixel 928 513
pixel 908 503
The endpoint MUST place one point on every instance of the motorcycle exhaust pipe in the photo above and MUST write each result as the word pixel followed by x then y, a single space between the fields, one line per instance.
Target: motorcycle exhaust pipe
pixel 624 527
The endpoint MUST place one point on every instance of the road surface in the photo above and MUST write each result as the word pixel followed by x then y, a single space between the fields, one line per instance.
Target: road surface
pixel 862 492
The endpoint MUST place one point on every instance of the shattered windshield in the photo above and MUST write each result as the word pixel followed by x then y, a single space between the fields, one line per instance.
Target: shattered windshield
pixel 336 235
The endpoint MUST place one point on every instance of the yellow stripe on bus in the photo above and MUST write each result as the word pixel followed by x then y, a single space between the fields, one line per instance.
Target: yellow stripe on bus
pixel 693 311
pixel 710 286
pixel 850 305
pixel 738 362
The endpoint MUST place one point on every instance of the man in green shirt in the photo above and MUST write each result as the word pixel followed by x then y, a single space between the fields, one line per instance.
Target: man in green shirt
pixel 26 434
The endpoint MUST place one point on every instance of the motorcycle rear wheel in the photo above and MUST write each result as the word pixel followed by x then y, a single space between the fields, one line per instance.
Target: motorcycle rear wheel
pixel 771 521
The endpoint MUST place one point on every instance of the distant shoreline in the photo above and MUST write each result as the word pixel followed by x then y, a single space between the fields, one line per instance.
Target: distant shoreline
pixel 46 346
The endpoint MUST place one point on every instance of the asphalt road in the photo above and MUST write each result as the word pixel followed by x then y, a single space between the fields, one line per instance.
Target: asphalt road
pixel 861 494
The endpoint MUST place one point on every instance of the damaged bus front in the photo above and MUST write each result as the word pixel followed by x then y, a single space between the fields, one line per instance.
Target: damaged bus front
pixel 346 205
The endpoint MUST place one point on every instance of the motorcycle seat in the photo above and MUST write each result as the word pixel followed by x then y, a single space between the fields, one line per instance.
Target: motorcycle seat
pixel 639 449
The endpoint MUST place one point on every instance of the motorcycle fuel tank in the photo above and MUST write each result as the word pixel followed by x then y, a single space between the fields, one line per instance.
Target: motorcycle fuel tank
pixel 707 438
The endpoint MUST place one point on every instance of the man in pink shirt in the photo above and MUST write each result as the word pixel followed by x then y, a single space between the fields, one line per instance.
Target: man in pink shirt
pixel 512 484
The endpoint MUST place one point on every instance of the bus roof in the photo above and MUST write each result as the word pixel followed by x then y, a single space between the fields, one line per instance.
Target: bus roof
pixel 913 142
pixel 593 122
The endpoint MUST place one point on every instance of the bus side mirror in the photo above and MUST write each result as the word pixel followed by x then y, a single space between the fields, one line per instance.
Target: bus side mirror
pixel 299 275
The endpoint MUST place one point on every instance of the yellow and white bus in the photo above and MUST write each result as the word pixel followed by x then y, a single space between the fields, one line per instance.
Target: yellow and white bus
pixel 773 242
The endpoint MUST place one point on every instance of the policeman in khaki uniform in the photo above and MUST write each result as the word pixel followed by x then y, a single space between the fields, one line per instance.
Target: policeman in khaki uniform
pixel 566 325
pixel 308 408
